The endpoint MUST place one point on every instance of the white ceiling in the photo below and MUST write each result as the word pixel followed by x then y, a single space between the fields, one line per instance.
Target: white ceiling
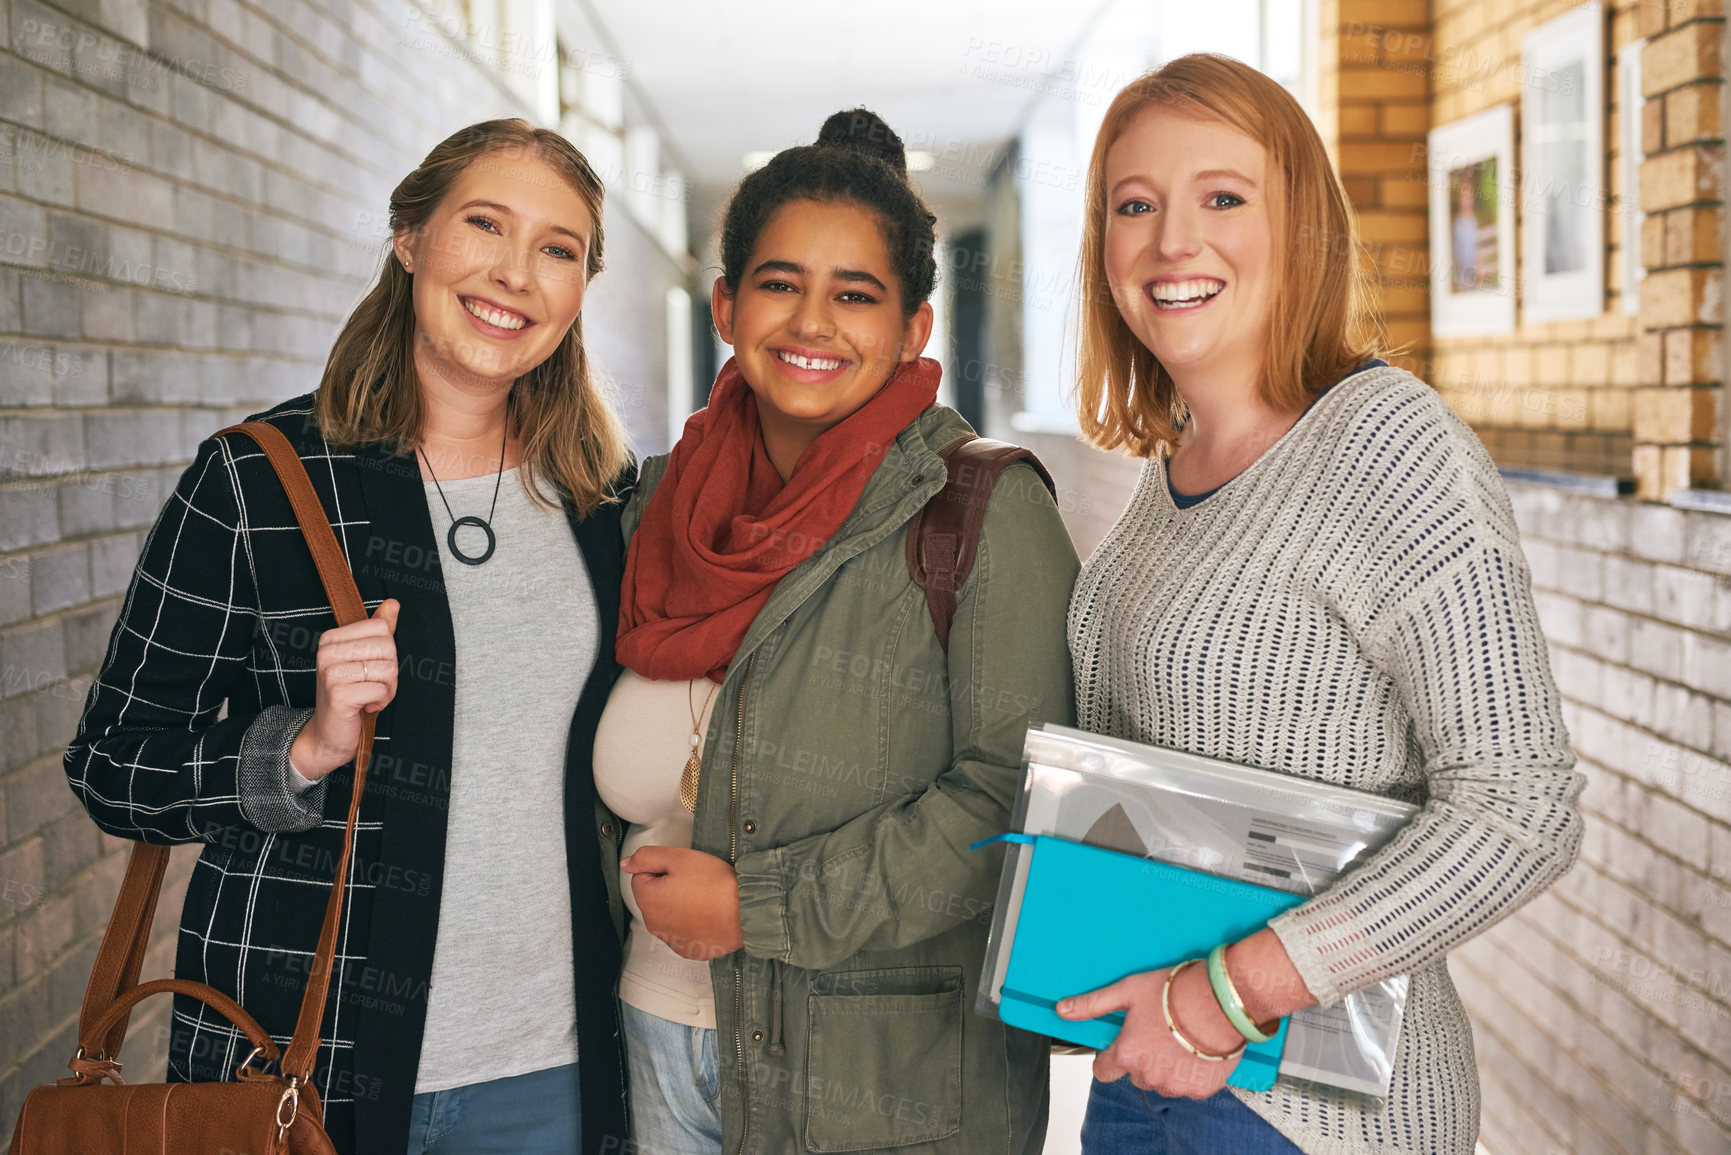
pixel 721 78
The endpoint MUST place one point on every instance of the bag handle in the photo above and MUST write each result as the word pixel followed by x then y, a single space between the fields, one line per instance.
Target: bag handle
pixel 210 996
pixel 103 1019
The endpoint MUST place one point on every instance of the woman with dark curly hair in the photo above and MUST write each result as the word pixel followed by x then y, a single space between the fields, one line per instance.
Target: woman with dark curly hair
pixel 802 761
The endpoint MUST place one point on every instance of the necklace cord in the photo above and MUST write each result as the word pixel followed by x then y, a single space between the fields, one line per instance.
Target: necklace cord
pixel 500 476
pixel 485 524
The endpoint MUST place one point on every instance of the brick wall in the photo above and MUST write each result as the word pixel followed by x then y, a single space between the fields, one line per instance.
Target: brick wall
pixel 1602 1013
pixel 1678 419
pixel 1554 395
pixel 191 197
pixel 1380 114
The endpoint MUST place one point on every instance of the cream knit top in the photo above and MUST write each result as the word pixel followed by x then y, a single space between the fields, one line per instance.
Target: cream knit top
pixel 1355 608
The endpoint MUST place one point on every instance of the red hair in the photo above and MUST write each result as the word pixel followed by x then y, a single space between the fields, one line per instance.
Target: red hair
pixel 1323 321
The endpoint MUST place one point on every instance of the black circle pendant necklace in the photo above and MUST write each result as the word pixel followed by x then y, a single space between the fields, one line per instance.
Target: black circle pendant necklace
pixel 484 524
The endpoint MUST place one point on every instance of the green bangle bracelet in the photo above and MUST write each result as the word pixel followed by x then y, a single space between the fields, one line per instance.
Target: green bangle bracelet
pixel 1227 996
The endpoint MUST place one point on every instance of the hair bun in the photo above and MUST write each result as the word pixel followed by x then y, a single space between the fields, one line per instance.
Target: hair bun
pixel 864 131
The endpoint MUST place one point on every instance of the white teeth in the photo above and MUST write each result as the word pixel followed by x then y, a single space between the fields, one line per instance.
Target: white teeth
pixel 493 316
pixel 808 362
pixel 1186 294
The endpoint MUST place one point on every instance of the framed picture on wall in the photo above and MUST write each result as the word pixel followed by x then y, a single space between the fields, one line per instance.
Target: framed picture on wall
pixel 1563 192
pixel 1472 224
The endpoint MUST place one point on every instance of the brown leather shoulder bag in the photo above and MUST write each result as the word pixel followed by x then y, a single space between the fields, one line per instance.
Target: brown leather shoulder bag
pixel 259 1112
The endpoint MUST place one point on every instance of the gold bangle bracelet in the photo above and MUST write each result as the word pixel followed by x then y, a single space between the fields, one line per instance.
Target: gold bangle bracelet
pixel 1166 1008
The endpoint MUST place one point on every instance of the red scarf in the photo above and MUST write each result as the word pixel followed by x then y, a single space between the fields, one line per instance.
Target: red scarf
pixel 722 529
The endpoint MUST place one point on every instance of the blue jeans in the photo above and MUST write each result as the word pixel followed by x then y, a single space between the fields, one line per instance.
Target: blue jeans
pixel 675 1086
pixel 1123 1119
pixel 534 1112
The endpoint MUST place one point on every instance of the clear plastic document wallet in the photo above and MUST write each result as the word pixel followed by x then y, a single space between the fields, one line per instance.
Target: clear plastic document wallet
pixel 1232 821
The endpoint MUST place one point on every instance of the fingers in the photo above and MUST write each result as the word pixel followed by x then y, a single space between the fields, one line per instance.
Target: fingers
pixel 652 859
pixel 361 672
pixel 359 649
pixel 1107 1068
pixel 692 949
pixel 383 624
pixel 1096 1003
pixel 356 697
pixel 646 890
pixel 371 628
pixel 359 659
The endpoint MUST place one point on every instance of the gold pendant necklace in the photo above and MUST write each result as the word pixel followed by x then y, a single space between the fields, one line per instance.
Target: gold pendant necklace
pixel 694 763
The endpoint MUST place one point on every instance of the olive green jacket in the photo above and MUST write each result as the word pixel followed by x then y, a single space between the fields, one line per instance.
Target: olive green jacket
pixel 847 766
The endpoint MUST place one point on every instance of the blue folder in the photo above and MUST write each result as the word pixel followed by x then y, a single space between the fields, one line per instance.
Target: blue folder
pixel 1090 917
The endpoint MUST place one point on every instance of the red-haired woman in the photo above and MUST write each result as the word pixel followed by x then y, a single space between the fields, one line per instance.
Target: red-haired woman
pixel 1318 574
pixel 474 476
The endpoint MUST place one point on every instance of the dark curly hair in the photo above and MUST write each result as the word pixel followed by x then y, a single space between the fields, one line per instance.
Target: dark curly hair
pixel 857 159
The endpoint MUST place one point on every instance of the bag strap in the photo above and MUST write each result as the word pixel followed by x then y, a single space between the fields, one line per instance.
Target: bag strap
pixel 945 535
pixel 298 1061
pixel 121 955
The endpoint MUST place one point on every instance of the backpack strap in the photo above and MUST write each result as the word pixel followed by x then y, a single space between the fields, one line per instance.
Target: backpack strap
pixel 945 535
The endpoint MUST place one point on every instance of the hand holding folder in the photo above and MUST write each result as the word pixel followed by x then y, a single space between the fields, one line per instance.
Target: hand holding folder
pixel 1090 917
pixel 1227 833
pixel 1146 1047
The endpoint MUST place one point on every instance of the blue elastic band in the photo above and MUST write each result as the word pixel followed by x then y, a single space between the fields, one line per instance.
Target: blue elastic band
pixel 1024 839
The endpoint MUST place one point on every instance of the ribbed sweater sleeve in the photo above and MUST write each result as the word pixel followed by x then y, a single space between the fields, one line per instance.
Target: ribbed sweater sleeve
pixel 1439 599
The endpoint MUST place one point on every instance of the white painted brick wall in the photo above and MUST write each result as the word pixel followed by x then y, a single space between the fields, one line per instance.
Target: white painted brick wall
pixel 177 251
pixel 1628 1046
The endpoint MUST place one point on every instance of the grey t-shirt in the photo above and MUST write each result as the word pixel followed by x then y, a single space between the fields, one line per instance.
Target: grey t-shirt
pixel 502 1000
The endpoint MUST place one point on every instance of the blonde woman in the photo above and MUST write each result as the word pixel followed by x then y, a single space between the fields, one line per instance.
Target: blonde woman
pixel 1318 574
pixel 474 477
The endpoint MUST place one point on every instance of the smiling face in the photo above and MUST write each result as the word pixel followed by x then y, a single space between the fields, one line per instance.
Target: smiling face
pixel 498 272
pixel 816 322
pixel 1189 243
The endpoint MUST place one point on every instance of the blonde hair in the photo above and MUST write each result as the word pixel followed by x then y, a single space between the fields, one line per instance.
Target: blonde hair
pixel 572 440
pixel 1322 320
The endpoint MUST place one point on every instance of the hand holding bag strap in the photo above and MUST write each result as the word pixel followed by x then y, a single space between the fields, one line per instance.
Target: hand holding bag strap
pixel 298 1062
pixel 103 1019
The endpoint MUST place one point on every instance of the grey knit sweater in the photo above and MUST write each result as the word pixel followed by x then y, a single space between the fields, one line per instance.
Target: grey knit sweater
pixel 1355 608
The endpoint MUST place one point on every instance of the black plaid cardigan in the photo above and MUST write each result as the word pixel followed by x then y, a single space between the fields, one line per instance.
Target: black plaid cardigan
pixel 225 610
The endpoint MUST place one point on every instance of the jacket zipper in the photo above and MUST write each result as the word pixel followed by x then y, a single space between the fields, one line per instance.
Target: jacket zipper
pixel 733 857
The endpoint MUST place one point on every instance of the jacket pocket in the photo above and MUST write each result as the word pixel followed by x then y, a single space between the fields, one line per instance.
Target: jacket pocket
pixel 883 1058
